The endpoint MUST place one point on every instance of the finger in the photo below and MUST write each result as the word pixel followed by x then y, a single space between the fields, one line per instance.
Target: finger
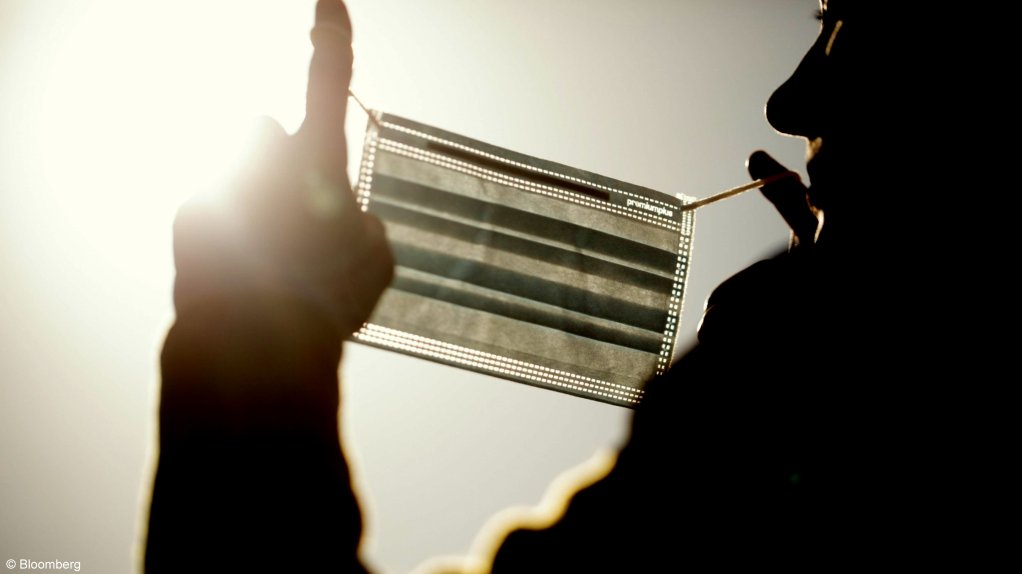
pixel 326 101
pixel 789 196
pixel 377 260
pixel 366 278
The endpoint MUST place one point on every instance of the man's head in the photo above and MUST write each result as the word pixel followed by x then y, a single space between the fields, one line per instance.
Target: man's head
pixel 832 100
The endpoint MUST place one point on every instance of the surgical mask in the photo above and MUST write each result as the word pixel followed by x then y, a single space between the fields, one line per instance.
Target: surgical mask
pixel 522 268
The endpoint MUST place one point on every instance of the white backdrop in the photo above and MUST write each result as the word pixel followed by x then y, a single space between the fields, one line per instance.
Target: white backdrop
pixel 112 112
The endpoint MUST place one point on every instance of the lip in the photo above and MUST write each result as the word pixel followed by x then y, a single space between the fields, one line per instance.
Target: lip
pixel 816 161
pixel 813 146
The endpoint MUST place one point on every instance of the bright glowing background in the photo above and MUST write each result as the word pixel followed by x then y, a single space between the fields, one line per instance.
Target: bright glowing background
pixel 112 112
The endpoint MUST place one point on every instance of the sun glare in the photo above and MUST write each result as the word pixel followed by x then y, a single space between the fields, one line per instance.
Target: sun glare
pixel 115 113
pixel 179 90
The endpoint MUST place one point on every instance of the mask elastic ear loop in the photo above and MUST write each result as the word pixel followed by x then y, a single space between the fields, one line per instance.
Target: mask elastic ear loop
pixel 740 189
pixel 372 116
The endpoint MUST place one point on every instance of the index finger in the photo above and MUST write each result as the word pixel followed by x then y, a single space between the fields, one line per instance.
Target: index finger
pixel 788 196
pixel 326 100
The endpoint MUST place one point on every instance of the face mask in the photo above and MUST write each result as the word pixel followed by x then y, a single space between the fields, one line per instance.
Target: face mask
pixel 522 268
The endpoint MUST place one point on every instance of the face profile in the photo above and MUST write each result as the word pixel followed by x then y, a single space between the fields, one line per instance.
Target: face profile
pixel 820 103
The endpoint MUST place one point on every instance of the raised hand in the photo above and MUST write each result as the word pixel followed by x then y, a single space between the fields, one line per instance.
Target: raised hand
pixel 272 274
pixel 789 196
pixel 752 303
pixel 290 225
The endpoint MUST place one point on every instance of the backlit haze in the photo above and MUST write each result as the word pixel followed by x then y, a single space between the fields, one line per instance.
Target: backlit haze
pixel 113 112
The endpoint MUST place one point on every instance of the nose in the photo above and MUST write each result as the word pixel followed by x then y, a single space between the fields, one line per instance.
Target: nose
pixel 795 108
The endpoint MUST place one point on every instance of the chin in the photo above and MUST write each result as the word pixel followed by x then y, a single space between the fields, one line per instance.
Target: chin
pixel 831 180
pixel 819 181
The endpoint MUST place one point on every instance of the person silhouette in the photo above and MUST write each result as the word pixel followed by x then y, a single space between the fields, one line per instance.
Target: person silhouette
pixel 272 275
pixel 793 433
pixel 771 442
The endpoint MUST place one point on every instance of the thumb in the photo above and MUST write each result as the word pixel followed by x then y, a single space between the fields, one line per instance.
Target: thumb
pixel 789 196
